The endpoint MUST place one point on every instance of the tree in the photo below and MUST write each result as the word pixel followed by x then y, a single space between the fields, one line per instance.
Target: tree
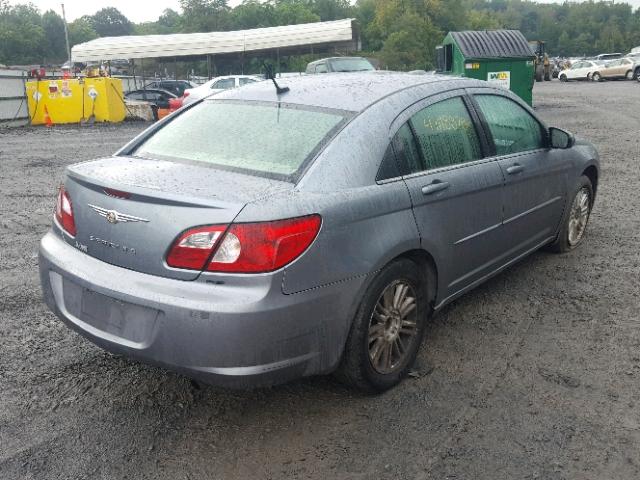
pixel 22 38
pixel 292 12
pixel 109 22
pixel 205 15
pixel 412 47
pixel 331 9
pixel 170 19
pixel 56 47
pixel 81 31
pixel 253 14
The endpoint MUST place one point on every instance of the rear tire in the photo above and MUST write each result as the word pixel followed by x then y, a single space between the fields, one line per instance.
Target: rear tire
pixel 630 75
pixel 387 330
pixel 575 218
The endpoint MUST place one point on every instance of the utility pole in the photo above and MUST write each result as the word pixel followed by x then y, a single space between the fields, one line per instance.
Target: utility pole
pixel 66 34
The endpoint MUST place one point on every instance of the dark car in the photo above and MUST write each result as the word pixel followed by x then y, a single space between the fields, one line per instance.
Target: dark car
pixel 177 87
pixel 257 236
pixel 156 96
pixel 340 64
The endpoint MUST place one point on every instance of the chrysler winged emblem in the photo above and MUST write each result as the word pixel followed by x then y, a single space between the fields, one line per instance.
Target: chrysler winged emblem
pixel 114 217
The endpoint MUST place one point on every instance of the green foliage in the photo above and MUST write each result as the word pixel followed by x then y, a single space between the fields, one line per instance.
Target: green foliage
pixel 56 46
pixel 22 38
pixel 402 34
pixel 109 22
pixel 205 15
pixel 81 31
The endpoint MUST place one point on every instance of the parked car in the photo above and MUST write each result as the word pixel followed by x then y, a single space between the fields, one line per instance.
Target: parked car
pixel 614 69
pixel 580 70
pixel 607 56
pixel 158 98
pixel 258 237
pixel 217 85
pixel 174 86
pixel 340 64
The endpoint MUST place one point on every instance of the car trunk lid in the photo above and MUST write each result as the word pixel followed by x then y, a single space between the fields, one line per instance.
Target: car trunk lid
pixel 128 211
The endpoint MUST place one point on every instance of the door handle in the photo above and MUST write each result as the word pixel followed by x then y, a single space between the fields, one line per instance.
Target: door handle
pixel 514 169
pixel 436 186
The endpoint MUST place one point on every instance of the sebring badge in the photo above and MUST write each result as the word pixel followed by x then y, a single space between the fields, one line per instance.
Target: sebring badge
pixel 114 217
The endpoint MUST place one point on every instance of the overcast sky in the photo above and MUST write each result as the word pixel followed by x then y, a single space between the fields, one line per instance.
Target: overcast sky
pixel 139 11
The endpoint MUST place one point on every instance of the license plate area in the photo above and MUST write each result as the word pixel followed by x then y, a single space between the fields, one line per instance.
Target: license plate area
pixel 128 321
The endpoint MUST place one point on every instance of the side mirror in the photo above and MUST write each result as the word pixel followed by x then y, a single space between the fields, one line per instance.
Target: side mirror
pixel 560 138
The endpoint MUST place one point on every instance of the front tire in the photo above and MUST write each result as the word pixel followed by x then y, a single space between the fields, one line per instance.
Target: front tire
pixel 630 75
pixel 576 218
pixel 563 78
pixel 596 77
pixel 387 330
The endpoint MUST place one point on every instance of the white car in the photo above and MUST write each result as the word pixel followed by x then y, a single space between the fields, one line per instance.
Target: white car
pixel 216 85
pixel 580 70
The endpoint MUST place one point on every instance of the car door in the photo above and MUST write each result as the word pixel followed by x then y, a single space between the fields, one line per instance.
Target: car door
pixel 611 69
pixel 576 70
pixel 585 70
pixel 536 176
pixel 456 193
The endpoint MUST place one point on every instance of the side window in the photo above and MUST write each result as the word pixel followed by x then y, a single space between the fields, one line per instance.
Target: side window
pixel 321 68
pixel 244 81
pixel 389 167
pixel 406 150
pixel 224 84
pixel 446 134
pixel 513 128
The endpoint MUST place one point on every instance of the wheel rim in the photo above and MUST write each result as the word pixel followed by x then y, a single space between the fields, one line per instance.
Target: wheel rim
pixel 579 216
pixel 393 327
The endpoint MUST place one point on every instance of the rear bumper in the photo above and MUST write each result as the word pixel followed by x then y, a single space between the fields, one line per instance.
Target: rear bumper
pixel 239 333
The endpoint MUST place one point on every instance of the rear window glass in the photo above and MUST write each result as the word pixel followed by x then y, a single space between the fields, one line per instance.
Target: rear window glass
pixel 350 65
pixel 271 139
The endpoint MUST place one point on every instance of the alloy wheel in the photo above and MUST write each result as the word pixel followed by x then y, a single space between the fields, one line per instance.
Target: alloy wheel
pixel 393 327
pixel 579 216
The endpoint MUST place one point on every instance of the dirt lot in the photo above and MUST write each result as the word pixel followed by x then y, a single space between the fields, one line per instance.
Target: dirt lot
pixel 534 375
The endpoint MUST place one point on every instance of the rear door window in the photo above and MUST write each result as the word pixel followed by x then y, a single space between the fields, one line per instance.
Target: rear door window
pixel 244 81
pixel 512 128
pixel 446 134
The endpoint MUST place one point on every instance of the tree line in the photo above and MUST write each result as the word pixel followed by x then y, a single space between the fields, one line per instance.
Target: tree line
pixel 402 34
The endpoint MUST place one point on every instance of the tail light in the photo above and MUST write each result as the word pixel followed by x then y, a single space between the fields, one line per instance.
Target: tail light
pixel 64 212
pixel 244 247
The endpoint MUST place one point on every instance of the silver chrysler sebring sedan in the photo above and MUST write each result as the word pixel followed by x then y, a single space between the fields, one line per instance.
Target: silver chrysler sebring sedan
pixel 264 235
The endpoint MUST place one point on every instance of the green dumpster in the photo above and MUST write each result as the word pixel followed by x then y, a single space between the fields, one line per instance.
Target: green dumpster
pixel 501 57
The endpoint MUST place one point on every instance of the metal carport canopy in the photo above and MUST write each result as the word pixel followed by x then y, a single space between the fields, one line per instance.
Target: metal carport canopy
pixel 338 32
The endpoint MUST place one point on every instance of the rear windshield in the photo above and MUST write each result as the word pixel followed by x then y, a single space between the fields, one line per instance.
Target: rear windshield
pixel 350 65
pixel 261 138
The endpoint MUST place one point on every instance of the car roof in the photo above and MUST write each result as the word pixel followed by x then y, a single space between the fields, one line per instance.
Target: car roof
pixel 342 91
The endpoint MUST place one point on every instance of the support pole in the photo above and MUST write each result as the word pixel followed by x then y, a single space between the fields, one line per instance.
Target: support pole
pixel 66 34
pixel 133 72
pixel 142 68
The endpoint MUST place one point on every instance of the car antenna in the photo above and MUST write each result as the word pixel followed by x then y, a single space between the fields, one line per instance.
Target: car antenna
pixel 270 76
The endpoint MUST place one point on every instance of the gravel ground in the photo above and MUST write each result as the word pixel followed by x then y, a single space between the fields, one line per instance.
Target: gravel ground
pixel 534 375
